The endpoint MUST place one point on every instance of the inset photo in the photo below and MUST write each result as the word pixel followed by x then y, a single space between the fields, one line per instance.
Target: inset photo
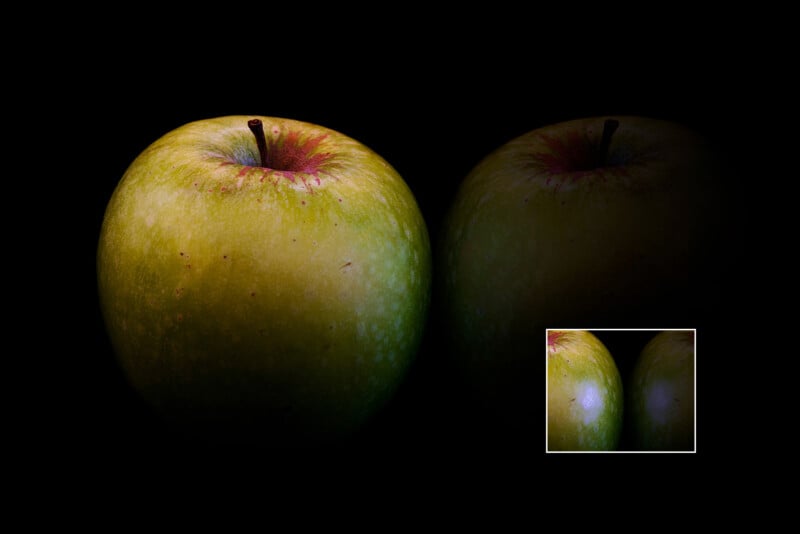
pixel 621 390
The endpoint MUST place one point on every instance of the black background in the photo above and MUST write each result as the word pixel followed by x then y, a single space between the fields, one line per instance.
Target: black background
pixel 432 95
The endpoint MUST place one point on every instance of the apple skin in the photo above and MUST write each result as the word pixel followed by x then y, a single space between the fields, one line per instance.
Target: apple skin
pixel 282 304
pixel 541 235
pixel 661 393
pixel 584 393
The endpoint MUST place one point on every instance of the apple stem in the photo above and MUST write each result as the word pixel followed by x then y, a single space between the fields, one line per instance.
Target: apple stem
pixel 258 130
pixel 609 127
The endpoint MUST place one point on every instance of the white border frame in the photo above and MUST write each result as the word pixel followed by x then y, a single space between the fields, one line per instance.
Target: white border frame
pixel 546 392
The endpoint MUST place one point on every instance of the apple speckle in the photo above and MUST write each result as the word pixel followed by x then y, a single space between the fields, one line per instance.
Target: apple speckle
pixel 253 294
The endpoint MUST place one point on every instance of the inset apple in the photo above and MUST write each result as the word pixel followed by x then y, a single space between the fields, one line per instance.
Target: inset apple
pixel 661 397
pixel 584 393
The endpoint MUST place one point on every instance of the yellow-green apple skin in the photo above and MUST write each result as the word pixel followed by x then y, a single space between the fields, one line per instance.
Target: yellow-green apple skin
pixel 283 301
pixel 542 235
pixel 584 393
pixel 662 398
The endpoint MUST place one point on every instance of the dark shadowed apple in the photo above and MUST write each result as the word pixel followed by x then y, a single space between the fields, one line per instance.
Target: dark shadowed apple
pixel 592 223
pixel 263 278
pixel 661 393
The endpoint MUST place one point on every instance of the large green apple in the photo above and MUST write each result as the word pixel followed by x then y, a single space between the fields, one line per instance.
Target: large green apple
pixel 661 393
pixel 584 393
pixel 585 223
pixel 263 278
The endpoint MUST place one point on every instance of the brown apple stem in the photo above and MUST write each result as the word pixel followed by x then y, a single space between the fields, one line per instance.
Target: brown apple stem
pixel 258 130
pixel 609 127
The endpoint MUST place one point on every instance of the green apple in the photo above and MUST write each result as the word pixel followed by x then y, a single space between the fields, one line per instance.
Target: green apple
pixel 263 278
pixel 661 393
pixel 585 223
pixel 584 393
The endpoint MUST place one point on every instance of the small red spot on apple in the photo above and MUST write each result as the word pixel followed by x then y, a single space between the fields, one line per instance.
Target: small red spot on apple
pixel 303 202
pixel 181 253
pixel 224 257
pixel 180 317
pixel 340 200
pixel 253 294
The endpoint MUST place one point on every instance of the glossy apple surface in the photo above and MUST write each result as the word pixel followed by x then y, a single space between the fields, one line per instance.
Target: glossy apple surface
pixel 584 393
pixel 662 393
pixel 281 298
